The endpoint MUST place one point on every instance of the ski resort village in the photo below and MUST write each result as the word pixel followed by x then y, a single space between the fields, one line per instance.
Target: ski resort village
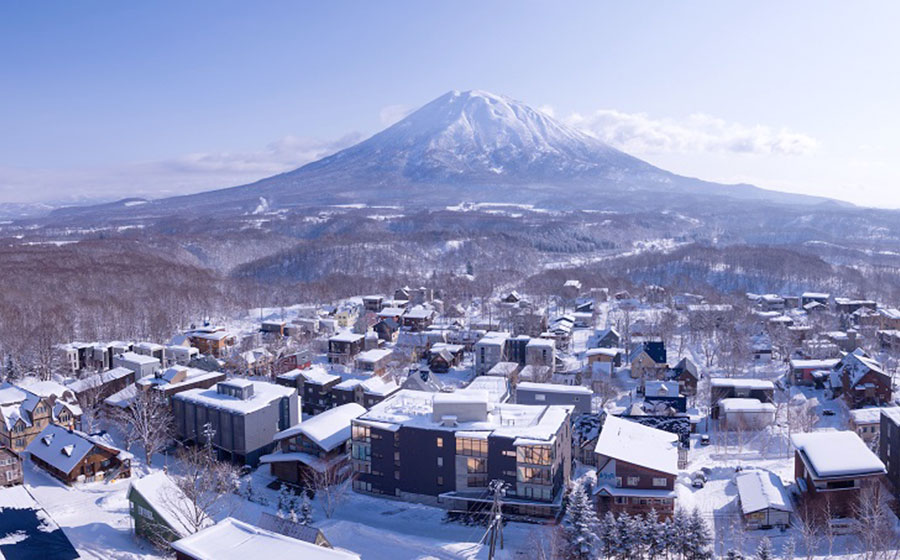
pixel 573 423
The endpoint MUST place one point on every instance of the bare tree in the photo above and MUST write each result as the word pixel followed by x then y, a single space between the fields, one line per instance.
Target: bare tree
pixel 878 539
pixel 91 403
pixel 146 421
pixel 206 484
pixel 331 485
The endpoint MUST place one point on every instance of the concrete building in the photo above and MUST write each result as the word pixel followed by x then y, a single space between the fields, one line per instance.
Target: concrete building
pixel 576 396
pixel 241 416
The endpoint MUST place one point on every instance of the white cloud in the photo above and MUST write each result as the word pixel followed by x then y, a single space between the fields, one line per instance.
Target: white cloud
pixel 394 113
pixel 180 175
pixel 639 133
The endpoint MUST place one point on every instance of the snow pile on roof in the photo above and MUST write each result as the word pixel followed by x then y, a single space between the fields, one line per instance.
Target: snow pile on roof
pixel 837 454
pixel 139 359
pixel 741 382
pixel 373 356
pixel 263 395
pixel 532 387
pixel 869 415
pixel 328 429
pixel 814 364
pixel 346 336
pixel 745 405
pixel 231 539
pixel 637 444
pixel 759 490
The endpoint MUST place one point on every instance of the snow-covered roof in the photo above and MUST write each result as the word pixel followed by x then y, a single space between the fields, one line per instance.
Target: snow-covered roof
pixel 314 374
pixel 167 500
pixel 123 398
pixel 529 386
pixel 760 490
pixel 858 365
pixel 869 415
pixel 836 454
pixel 524 423
pixel 231 539
pixel 98 379
pixel 637 444
pixel 263 395
pixel 816 295
pixel 496 387
pixel 504 369
pixel 347 336
pixel 374 355
pixel 742 382
pixel 327 429
pixel 611 352
pixel 745 405
pixel 139 359
pixel 813 364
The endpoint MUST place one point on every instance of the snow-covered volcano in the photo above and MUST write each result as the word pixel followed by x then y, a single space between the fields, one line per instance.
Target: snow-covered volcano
pixel 476 136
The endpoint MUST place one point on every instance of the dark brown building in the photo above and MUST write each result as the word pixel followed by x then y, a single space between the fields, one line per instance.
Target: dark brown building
pixel 314 448
pixel 74 456
pixel 832 469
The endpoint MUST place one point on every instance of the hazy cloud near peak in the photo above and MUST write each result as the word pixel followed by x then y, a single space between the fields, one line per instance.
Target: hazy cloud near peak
pixel 394 113
pixel 639 133
pixel 179 175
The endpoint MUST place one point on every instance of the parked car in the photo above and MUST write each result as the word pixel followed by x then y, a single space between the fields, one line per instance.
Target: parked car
pixel 828 412
pixel 704 439
pixel 698 483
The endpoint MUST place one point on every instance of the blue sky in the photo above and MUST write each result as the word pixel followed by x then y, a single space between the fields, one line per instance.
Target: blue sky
pixel 108 99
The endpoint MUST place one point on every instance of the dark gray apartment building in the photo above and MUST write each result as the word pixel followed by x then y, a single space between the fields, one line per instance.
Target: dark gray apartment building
pixel 445 448
pixel 889 445
pixel 242 416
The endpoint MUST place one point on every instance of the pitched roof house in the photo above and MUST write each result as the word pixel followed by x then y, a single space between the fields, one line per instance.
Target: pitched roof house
pixel 74 456
pixel 636 468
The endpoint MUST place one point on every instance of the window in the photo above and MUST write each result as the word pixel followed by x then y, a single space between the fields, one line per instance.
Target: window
pixel 532 475
pixel 475 465
pixel 440 442
pixel 472 447
pixel 361 433
pixel 361 452
pixel 620 500
pixel 509 453
pixel 633 480
pixel 658 481
pixel 440 461
pixel 440 481
pixel 540 397
pixel 533 454
pixel 144 512
pixel 618 482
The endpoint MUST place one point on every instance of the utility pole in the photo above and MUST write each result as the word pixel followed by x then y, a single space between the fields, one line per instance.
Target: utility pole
pixel 495 523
